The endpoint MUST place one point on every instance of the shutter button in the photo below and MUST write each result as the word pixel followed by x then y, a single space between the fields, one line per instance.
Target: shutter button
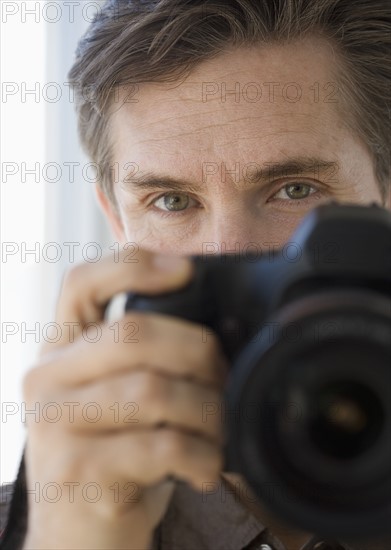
pixel 265 547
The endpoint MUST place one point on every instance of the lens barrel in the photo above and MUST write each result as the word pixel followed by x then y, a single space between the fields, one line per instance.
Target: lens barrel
pixel 319 452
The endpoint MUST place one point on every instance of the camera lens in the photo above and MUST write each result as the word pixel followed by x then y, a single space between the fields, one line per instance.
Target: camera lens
pixel 346 420
pixel 323 439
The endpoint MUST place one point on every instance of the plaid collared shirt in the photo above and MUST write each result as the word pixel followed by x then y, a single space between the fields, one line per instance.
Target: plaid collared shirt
pixel 193 521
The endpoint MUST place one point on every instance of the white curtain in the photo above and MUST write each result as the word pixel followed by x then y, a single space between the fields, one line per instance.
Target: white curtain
pixel 49 214
pixel 72 213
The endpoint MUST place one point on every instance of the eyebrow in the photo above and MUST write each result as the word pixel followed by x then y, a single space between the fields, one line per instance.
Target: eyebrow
pixel 265 175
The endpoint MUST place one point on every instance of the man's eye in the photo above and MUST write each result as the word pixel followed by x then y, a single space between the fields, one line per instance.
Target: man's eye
pixel 173 202
pixel 295 191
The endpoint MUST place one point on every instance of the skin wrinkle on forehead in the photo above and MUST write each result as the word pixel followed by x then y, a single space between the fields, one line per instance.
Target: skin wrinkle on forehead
pixel 171 132
pixel 195 131
pixel 255 133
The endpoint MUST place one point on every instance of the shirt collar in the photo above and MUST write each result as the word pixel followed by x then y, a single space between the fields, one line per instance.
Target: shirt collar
pixel 216 519
pixel 209 519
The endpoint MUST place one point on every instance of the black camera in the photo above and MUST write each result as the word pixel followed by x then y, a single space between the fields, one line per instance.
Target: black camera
pixel 307 329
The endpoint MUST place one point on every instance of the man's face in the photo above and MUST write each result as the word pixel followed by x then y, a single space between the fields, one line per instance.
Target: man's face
pixel 254 139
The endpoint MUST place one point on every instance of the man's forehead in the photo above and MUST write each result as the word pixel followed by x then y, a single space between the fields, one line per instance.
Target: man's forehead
pixel 172 130
pixel 246 90
pixel 307 60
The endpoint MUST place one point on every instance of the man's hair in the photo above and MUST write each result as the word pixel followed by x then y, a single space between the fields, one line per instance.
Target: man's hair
pixel 139 41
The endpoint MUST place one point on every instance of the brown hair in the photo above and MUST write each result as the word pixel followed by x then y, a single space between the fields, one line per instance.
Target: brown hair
pixel 135 41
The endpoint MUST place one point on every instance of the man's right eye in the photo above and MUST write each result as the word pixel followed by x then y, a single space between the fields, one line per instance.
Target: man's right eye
pixel 173 202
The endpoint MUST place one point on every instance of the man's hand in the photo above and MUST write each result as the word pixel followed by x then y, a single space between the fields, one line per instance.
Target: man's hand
pixel 148 377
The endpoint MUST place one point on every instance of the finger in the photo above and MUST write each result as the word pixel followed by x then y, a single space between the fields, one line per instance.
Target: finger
pixel 162 343
pixel 148 457
pixel 87 288
pixel 143 400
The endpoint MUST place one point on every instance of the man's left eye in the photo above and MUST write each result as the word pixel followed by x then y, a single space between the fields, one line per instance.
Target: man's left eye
pixel 295 191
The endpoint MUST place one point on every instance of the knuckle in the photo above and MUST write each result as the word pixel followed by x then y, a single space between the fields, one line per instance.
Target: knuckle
pixel 73 276
pixel 133 324
pixel 141 448
pixel 212 342
pixel 212 347
pixel 111 510
pixel 173 446
pixel 147 388
pixel 31 382
pixel 216 462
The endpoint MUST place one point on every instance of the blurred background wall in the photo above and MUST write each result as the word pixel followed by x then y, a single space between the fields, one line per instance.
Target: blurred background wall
pixel 50 218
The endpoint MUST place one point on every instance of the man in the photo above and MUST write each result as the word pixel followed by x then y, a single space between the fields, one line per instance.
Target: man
pixel 218 124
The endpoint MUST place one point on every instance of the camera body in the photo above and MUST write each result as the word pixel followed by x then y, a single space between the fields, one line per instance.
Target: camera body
pixel 307 329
